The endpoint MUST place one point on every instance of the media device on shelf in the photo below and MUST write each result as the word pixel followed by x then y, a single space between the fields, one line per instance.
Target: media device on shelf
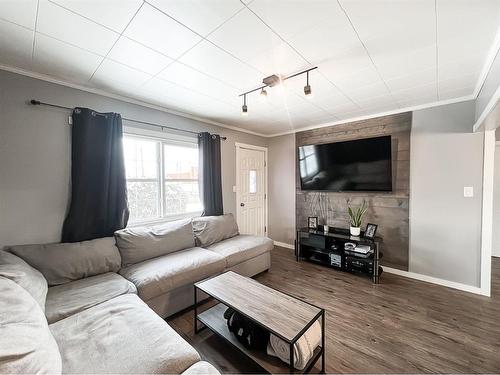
pixel 358 165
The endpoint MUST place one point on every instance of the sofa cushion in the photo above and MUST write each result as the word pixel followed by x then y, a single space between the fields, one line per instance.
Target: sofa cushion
pixel 17 270
pixel 241 248
pixel 70 298
pixel 64 262
pixel 201 368
pixel 26 344
pixel 138 244
pixel 211 229
pixel 160 275
pixel 122 335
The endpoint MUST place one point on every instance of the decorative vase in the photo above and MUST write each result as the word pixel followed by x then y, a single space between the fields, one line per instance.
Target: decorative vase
pixel 355 231
pixel 326 228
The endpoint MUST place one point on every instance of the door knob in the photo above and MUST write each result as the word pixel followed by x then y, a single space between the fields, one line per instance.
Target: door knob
pixel 242 204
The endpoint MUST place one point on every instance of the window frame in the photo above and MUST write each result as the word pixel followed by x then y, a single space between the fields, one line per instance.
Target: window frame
pixel 162 139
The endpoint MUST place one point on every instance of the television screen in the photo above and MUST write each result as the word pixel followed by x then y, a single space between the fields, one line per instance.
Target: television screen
pixel 359 165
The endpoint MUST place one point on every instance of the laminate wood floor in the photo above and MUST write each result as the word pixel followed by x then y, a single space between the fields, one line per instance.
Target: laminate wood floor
pixel 398 326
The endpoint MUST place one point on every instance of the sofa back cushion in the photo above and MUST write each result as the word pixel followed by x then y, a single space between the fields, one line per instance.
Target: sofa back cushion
pixel 17 270
pixel 142 243
pixel 26 343
pixel 211 229
pixel 61 263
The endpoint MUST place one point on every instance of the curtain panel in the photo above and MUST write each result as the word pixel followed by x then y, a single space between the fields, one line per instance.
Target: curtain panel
pixel 98 186
pixel 210 177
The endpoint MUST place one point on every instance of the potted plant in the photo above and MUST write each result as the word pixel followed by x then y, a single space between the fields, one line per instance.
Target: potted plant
pixel 355 217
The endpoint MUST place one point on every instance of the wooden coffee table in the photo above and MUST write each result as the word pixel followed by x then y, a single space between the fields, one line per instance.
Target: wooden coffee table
pixel 281 314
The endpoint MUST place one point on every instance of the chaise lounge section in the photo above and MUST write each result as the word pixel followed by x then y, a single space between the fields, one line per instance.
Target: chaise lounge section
pixel 95 301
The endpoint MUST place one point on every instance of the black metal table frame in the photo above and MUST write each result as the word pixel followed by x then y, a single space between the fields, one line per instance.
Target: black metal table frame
pixel 292 342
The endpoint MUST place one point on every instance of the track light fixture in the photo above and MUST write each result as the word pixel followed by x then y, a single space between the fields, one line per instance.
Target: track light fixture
pixel 307 87
pixel 244 108
pixel 275 80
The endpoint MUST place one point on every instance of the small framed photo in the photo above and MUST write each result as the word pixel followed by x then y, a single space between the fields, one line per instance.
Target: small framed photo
pixel 312 222
pixel 370 231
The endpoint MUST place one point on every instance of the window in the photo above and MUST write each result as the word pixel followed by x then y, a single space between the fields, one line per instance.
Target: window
pixel 162 178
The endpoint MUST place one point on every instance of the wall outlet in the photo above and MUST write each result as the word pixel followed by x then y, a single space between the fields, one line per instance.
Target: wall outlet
pixel 234 189
pixel 468 191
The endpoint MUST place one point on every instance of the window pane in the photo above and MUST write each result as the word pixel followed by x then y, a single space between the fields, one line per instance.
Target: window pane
pixel 252 181
pixel 141 157
pixel 181 197
pixel 143 200
pixel 181 162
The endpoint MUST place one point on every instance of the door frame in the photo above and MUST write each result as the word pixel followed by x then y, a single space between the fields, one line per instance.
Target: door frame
pixel 239 146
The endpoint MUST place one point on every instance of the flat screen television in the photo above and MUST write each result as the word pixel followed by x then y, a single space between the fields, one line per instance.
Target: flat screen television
pixel 359 165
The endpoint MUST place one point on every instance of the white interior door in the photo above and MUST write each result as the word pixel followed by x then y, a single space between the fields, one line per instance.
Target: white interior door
pixel 251 188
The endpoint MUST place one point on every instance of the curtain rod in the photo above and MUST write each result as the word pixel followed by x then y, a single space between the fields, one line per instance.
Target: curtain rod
pixel 38 102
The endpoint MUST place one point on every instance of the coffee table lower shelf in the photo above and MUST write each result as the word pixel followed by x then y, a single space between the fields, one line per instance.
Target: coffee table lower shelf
pixel 213 318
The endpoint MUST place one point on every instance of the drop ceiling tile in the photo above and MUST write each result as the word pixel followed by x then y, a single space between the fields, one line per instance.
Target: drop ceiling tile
pixel 465 81
pixel 280 59
pixel 423 91
pixel 455 92
pixel 115 14
pixel 415 78
pixel 290 18
pixel 16 44
pixel 21 12
pixel 200 15
pixel 188 77
pixel 160 32
pixel 351 69
pixel 375 102
pixel 214 62
pixel 117 76
pixel 136 55
pixel 466 29
pixel 245 36
pixel 68 27
pixel 385 26
pixel 63 60
pixel 374 89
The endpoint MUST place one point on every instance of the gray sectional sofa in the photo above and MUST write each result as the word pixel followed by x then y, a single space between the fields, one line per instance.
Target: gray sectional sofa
pixel 89 307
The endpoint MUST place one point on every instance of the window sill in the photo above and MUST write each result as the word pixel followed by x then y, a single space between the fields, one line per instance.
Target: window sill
pixel 166 219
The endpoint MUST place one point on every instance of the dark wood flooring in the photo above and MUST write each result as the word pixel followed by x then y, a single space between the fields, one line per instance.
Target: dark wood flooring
pixel 398 326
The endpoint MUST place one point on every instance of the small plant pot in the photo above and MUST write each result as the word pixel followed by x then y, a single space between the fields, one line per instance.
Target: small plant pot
pixel 355 231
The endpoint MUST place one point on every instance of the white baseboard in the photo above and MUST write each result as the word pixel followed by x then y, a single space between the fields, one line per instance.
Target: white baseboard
pixel 435 280
pixel 283 244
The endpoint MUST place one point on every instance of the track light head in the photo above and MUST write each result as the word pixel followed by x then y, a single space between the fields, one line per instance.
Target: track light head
pixel 263 92
pixel 307 90
pixel 244 110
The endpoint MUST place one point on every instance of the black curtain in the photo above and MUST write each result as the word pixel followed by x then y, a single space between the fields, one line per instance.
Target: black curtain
pixel 99 191
pixel 210 174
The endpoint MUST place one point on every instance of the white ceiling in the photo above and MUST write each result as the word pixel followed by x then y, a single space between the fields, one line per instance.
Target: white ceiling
pixel 197 56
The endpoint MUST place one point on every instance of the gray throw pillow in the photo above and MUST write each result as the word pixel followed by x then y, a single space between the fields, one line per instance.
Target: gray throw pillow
pixel 26 343
pixel 17 270
pixel 211 229
pixel 61 263
pixel 142 243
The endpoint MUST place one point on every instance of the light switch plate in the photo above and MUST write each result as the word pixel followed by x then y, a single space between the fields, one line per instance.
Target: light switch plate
pixel 234 189
pixel 468 191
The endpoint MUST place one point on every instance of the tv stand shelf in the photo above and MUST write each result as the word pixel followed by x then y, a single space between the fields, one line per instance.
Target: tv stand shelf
pixel 328 249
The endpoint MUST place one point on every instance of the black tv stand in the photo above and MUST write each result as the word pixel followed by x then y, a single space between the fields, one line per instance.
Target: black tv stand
pixel 328 249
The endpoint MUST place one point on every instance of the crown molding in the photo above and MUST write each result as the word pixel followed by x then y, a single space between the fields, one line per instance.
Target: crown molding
pixel 50 79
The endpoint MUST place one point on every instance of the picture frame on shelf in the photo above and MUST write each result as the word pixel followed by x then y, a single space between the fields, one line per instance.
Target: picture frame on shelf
pixel 312 222
pixel 370 230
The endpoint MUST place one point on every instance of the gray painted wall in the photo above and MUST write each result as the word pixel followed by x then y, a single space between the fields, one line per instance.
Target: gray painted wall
pixel 490 85
pixel 445 227
pixel 282 188
pixel 35 154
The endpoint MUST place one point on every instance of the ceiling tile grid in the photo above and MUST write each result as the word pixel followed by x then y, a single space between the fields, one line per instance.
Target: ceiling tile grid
pixel 197 56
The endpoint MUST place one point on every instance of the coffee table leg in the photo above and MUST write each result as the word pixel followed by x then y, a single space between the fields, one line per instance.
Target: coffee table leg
pixel 195 310
pixel 292 362
pixel 323 342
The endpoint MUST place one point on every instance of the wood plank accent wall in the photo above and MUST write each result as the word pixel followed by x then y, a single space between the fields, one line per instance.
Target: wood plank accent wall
pixel 390 211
